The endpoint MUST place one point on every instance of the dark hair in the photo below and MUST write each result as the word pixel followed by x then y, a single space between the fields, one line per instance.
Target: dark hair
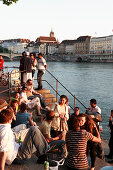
pixel 50 115
pixel 13 102
pixel 6 115
pixel 40 54
pixel 93 101
pixel 63 96
pixel 23 107
pixel 74 122
pixel 111 110
pixel 28 80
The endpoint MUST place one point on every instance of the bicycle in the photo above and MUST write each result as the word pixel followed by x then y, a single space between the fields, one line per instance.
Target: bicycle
pixel 4 78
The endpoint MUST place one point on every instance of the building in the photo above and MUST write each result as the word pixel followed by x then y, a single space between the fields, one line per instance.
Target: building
pixel 15 45
pixel 44 45
pixel 101 45
pixel 82 45
pixel 66 47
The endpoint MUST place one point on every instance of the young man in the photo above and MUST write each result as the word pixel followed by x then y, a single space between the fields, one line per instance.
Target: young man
pixel 9 149
pixel 41 70
pixel 94 111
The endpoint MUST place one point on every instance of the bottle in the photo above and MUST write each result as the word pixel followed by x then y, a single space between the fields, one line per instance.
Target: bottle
pixel 46 165
pixel 19 140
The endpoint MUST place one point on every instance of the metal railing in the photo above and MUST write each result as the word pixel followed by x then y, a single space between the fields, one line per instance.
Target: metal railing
pixel 57 93
pixel 54 89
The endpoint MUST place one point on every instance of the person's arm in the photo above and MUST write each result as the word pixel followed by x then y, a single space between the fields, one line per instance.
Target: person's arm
pixel 30 121
pixel 52 139
pixel 96 139
pixel 45 66
pixel 2 160
pixel 35 92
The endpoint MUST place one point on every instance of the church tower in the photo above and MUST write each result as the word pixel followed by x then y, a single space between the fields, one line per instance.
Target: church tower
pixel 51 34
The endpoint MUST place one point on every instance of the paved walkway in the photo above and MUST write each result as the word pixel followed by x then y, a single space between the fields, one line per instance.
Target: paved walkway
pixel 32 165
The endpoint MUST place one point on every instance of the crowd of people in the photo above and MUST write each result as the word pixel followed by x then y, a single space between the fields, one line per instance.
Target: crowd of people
pixel 76 136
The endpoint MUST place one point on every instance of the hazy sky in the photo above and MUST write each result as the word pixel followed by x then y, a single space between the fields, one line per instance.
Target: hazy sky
pixel 69 19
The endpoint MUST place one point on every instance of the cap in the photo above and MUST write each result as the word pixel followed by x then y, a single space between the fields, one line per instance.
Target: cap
pixel 3 103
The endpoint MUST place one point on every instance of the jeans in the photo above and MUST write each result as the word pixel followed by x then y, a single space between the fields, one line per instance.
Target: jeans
pixel 39 78
pixel 34 141
pixel 43 104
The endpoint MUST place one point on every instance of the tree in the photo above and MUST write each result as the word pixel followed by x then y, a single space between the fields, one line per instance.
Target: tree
pixel 9 2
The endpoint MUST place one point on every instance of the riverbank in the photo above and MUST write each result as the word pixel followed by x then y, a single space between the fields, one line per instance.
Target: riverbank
pixel 89 58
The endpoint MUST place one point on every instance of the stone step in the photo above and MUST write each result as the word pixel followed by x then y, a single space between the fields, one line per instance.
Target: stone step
pixel 50 100
pixel 50 104
pixel 43 91
pixel 47 95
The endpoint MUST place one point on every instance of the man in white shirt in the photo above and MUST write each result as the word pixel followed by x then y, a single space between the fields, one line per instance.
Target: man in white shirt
pixel 41 70
pixel 94 111
pixel 10 149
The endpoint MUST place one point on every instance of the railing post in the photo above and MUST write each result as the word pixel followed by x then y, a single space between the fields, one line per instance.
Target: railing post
pixel 9 84
pixel 74 101
pixel 57 90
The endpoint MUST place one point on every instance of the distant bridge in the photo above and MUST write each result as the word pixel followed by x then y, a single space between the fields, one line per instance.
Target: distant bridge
pixel 10 56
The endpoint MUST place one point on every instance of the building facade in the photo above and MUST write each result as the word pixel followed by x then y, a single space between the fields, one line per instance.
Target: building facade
pixel 101 45
pixel 15 45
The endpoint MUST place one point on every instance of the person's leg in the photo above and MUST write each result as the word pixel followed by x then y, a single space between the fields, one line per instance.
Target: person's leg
pixel 43 104
pixel 93 153
pixel 39 79
pixel 34 141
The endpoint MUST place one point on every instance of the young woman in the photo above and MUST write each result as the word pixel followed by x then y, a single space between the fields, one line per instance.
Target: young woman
pixel 76 142
pixel 59 122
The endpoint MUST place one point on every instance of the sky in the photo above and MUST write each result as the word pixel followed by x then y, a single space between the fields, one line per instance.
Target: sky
pixel 69 19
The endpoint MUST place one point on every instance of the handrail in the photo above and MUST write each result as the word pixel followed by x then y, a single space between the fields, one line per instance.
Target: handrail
pixel 57 87
pixel 66 89
pixel 54 89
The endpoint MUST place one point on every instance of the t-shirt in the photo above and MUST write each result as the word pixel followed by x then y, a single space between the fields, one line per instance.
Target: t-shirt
pixel 96 109
pixel 77 143
pixel 45 128
pixel 1 63
pixel 22 118
pixel 7 143
pixel 41 64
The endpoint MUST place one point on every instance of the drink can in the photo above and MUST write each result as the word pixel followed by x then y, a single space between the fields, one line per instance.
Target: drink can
pixel 46 165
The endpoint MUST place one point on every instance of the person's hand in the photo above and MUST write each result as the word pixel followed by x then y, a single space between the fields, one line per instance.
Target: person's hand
pixel 61 115
pixel 110 118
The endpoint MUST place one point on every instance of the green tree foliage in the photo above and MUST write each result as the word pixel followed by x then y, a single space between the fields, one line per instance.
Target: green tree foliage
pixel 4 50
pixel 9 2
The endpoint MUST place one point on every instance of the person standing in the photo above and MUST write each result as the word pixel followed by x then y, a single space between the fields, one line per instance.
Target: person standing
pixel 21 68
pixel 1 66
pixel 41 70
pixel 34 64
pixel 27 68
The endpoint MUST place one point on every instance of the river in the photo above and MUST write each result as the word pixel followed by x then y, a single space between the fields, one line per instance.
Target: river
pixel 85 81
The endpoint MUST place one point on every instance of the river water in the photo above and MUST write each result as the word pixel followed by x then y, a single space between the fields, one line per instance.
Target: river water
pixel 85 81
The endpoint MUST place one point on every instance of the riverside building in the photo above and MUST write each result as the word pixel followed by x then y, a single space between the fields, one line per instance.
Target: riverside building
pixel 101 48
pixel 15 45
